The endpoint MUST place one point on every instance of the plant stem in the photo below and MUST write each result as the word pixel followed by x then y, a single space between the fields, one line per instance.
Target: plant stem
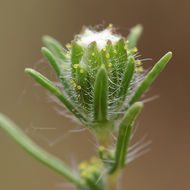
pixel 103 132
pixel 112 181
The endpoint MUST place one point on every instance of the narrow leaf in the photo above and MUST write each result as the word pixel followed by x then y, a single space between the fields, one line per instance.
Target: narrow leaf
pixel 38 153
pixel 92 56
pixel 55 91
pixel 101 95
pixel 47 53
pixel 76 53
pixel 55 47
pixel 127 76
pixel 92 61
pixel 123 134
pixel 150 77
pixel 134 36
pixel 125 145
pixel 121 55
pixel 58 65
pixel 113 68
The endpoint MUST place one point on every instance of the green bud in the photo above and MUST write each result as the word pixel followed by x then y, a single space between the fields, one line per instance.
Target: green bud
pixel 99 74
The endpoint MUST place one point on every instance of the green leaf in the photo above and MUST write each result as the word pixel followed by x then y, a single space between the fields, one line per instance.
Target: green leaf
pixel 134 36
pixel 92 62
pixel 121 55
pixel 55 91
pixel 76 55
pixel 55 47
pixel 47 53
pixel 106 54
pixel 100 104
pixel 92 57
pixel 113 68
pixel 124 135
pixel 38 153
pixel 150 77
pixel 126 141
pixel 127 76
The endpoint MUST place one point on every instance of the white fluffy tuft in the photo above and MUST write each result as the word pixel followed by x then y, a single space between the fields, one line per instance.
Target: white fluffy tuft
pixel 100 38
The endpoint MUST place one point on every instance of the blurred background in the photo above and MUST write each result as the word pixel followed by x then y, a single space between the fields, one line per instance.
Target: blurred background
pixel 164 120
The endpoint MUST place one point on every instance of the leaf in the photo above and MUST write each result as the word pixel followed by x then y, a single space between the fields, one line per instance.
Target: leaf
pixel 121 55
pixel 127 76
pixel 38 153
pixel 150 77
pixel 55 91
pixel 47 53
pixel 134 36
pixel 76 53
pixel 55 47
pixel 124 135
pixel 100 104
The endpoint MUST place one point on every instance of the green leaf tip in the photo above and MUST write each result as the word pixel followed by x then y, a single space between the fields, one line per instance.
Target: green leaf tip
pixel 134 36
pixel 43 81
pixel 127 76
pixel 54 46
pixel 48 40
pixel 151 76
pixel 47 53
pixel 46 83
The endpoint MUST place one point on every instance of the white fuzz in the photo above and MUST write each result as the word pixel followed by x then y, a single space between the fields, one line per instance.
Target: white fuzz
pixel 100 38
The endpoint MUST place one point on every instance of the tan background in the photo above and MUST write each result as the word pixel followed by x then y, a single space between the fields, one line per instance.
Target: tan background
pixel 166 120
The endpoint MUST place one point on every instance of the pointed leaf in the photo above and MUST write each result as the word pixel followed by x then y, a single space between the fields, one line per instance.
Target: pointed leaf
pixel 127 76
pixel 150 77
pixel 55 91
pixel 76 55
pixel 121 55
pixel 123 135
pixel 47 53
pixel 92 56
pixel 55 47
pixel 134 36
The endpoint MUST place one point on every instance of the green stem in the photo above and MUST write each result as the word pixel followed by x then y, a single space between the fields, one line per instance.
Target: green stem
pixel 38 153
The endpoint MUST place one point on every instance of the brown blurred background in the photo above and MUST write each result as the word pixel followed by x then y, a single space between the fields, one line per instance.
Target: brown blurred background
pixel 165 120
